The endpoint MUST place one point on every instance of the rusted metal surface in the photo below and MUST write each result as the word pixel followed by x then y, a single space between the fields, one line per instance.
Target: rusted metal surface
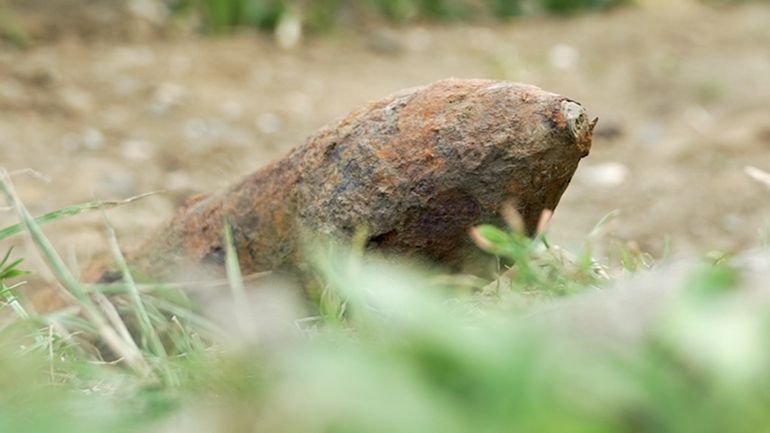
pixel 417 169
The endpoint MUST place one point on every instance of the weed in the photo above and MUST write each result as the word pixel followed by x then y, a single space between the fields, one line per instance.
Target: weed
pixel 9 271
pixel 534 265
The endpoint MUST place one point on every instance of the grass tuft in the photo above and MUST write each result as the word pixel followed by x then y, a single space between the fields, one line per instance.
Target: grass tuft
pixel 547 345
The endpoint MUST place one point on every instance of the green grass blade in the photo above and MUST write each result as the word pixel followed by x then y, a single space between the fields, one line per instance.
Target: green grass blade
pixel 599 228
pixel 145 324
pixel 16 229
pixel 126 349
pixel 236 280
pixel 5 258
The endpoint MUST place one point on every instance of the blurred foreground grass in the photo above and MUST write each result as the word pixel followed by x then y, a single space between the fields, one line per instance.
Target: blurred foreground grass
pixel 558 342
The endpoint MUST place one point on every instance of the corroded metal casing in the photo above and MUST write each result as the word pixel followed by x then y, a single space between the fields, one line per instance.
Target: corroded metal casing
pixel 417 169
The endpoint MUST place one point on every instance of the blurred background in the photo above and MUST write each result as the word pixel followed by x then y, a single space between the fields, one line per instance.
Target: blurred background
pixel 110 99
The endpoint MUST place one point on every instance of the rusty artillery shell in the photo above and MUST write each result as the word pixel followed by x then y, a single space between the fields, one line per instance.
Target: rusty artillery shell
pixel 418 169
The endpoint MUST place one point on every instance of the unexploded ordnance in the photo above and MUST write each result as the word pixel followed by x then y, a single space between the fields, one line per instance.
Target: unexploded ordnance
pixel 417 169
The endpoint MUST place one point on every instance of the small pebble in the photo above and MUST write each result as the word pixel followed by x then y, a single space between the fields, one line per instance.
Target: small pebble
pixel 136 150
pixel 92 139
pixel 268 123
pixel 563 56
pixel 605 175
pixel 166 97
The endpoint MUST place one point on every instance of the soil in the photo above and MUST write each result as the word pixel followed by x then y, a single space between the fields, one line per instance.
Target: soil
pixel 682 92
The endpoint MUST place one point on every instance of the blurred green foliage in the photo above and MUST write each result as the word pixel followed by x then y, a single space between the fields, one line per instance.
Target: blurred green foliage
pixel 563 7
pixel 409 358
pixel 222 15
pixel 10 30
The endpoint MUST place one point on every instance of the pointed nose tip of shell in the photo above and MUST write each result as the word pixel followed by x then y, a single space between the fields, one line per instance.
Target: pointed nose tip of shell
pixel 579 125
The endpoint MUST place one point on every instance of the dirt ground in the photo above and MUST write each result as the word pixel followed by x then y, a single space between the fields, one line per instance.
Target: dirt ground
pixel 682 93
